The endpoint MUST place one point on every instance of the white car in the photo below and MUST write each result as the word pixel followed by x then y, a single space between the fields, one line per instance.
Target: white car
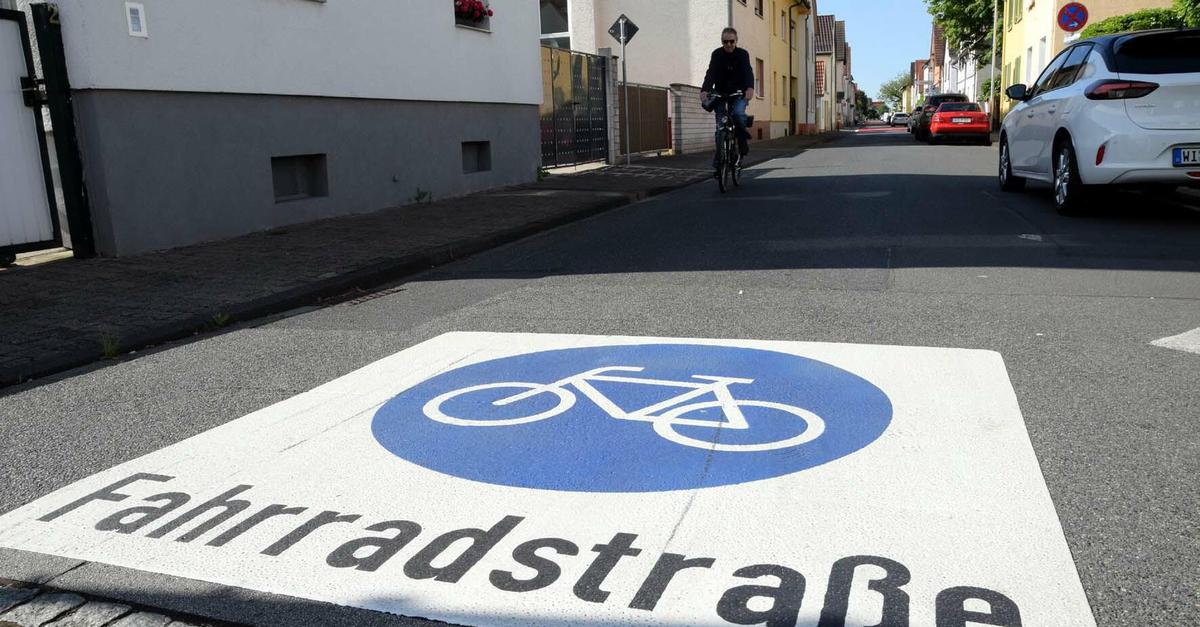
pixel 899 117
pixel 1114 110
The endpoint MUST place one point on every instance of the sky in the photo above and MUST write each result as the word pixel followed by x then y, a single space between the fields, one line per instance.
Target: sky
pixel 886 35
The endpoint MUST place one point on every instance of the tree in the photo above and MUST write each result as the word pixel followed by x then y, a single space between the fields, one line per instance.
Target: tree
pixel 967 25
pixel 892 92
pixel 862 103
pixel 1189 11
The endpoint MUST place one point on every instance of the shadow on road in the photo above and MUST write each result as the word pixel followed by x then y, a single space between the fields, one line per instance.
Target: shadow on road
pixel 784 218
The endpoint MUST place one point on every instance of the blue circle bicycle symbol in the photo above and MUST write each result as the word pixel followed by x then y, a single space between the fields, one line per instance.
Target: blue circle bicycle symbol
pixel 633 418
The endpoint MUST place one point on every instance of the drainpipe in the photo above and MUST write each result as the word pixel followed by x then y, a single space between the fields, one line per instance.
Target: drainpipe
pixel 730 13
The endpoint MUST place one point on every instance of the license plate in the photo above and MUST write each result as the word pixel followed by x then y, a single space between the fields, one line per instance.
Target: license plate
pixel 961 120
pixel 1185 157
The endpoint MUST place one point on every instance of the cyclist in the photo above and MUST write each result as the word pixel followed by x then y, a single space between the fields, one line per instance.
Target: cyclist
pixel 729 71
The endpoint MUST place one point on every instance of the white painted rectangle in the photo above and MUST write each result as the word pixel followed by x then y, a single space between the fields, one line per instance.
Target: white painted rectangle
pixel 948 497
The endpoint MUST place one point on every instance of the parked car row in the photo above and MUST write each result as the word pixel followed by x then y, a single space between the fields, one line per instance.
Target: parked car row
pixel 1113 110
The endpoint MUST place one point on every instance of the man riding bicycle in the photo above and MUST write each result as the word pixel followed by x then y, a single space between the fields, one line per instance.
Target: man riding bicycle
pixel 729 71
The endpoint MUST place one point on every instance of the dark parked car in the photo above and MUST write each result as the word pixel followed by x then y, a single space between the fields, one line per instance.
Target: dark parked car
pixel 921 119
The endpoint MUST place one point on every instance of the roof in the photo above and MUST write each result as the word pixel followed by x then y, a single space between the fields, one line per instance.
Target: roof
pixel 839 40
pixel 937 46
pixel 824 34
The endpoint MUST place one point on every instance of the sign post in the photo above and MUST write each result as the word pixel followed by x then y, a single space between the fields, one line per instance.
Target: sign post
pixel 623 30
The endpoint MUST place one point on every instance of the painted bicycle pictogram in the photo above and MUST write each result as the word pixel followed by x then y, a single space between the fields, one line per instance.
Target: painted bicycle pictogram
pixel 665 416
pixel 642 417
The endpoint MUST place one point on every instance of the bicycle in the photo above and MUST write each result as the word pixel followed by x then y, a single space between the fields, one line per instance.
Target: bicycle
pixel 729 158
pixel 665 415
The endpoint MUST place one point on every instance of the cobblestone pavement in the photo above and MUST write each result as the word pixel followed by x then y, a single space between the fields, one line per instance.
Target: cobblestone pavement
pixel 31 606
pixel 72 312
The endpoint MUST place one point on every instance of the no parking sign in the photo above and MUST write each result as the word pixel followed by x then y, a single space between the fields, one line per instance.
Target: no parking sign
pixel 1072 17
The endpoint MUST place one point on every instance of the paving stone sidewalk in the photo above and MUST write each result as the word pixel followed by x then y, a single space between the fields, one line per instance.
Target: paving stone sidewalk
pixel 70 313
pixel 33 606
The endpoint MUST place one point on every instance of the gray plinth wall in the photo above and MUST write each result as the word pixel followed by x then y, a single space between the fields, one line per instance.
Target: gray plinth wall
pixel 167 169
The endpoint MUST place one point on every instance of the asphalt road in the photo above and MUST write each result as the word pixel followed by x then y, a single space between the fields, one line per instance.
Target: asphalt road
pixel 871 239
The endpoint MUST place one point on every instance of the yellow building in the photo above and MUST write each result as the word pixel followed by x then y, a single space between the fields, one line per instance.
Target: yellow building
pixel 1032 35
pixel 783 79
pixel 776 34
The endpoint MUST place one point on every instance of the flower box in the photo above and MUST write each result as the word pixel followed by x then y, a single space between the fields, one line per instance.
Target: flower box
pixel 472 13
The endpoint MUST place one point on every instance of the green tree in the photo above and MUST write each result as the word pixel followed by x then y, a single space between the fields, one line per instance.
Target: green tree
pixel 1189 11
pixel 1145 19
pixel 892 92
pixel 862 102
pixel 968 26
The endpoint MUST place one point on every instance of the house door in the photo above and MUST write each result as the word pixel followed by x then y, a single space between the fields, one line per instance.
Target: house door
pixel 28 218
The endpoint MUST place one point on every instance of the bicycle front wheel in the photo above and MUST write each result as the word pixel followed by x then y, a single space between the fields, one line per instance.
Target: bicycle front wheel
pixel 722 162
pixel 499 404
pixel 809 426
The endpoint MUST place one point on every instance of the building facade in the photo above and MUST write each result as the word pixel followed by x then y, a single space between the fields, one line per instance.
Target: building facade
pixel 1032 36
pixel 826 73
pixel 676 38
pixel 207 120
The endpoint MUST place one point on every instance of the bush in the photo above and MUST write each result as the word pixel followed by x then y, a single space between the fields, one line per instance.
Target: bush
pixel 1145 19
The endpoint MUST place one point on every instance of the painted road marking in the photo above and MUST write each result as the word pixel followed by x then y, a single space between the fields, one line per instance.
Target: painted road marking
pixel 1188 342
pixel 509 479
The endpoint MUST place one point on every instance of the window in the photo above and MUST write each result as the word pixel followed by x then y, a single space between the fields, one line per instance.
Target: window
pixel 1029 65
pixel 959 106
pixel 1070 68
pixel 1016 75
pixel 1043 81
pixel 476 157
pixel 298 177
pixel 758 7
pixel 758 78
pixel 1165 53
pixel 555 24
pixel 775 86
pixel 783 25
pixel 1042 52
pixel 1018 10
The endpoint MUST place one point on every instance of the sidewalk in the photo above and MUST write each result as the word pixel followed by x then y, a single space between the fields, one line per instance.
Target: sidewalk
pixel 69 313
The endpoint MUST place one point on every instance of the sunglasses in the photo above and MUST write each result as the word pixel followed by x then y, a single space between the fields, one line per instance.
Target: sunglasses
pixel 729 42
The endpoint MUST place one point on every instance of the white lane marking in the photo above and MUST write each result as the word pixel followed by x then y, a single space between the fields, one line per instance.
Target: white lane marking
pixel 1031 236
pixel 946 505
pixel 1188 342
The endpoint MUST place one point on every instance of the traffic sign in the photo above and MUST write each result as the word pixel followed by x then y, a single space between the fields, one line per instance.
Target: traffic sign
pixel 513 479
pixel 631 29
pixel 1073 17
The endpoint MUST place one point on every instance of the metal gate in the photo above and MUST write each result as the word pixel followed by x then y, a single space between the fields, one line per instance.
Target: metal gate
pixel 574 111
pixel 28 217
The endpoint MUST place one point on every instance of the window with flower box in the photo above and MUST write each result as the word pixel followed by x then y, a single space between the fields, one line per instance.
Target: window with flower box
pixel 473 14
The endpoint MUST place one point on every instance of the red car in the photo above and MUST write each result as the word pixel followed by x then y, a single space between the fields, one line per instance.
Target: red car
pixel 961 120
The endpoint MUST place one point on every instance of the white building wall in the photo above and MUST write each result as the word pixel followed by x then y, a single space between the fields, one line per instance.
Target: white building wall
pixel 383 49
pixel 674 39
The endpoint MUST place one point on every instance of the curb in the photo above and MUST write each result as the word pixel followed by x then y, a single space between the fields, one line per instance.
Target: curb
pixel 366 277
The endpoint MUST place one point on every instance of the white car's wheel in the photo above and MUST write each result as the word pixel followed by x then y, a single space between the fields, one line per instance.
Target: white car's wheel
pixel 1008 182
pixel 1070 195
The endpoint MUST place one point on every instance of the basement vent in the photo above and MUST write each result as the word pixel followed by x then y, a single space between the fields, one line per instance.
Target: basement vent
pixel 299 177
pixel 477 157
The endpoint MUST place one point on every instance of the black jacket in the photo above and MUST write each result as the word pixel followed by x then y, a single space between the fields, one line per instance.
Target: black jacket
pixel 728 72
